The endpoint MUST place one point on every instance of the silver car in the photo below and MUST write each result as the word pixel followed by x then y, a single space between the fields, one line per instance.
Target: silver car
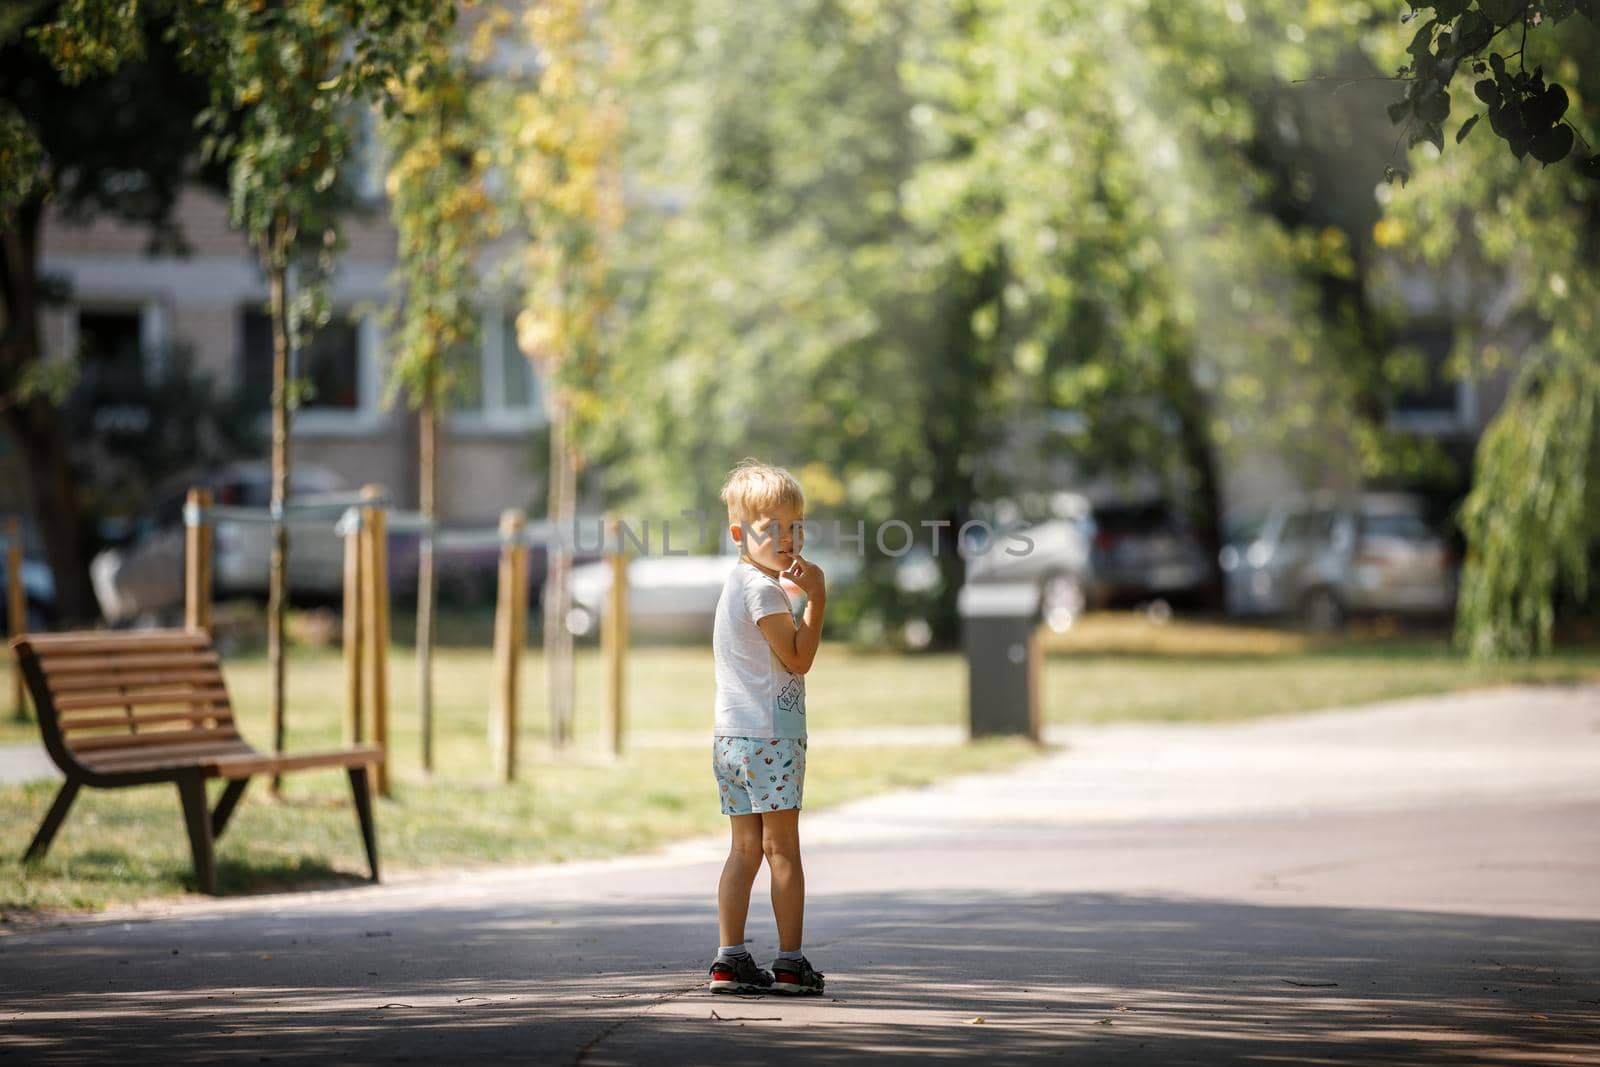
pixel 669 597
pixel 143 579
pixel 1326 556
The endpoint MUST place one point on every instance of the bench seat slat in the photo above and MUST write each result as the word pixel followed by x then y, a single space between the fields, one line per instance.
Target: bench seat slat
pixel 166 760
pixel 52 646
pixel 143 698
pixel 107 667
pixel 266 762
pixel 100 743
pixel 143 718
pixel 131 680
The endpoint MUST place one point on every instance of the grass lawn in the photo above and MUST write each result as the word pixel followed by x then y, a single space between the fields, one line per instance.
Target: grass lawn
pixel 1111 667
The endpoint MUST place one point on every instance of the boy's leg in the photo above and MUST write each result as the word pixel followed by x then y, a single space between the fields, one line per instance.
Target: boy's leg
pixel 780 841
pixel 738 874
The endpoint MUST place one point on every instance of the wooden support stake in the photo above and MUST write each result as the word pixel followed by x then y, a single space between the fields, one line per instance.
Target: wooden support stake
pixel 375 585
pixel 16 612
pixel 197 564
pixel 614 634
pixel 354 633
pixel 1035 690
pixel 510 637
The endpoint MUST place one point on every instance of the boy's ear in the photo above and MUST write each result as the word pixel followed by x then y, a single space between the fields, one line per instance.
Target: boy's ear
pixel 736 531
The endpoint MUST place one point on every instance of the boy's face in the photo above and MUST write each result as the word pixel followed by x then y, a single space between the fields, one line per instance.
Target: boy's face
pixel 771 540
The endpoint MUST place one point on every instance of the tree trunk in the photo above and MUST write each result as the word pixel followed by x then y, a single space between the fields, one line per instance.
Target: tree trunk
pixel 558 584
pixel 35 426
pixel 277 580
pixel 1193 409
pixel 428 427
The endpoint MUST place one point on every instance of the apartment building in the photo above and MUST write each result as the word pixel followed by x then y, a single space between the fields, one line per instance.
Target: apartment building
pixel 126 305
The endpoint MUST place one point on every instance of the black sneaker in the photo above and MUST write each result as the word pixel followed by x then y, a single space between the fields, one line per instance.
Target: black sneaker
pixel 738 974
pixel 795 977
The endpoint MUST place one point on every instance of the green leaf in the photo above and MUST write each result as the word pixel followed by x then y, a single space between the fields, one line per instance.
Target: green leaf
pixel 1473 32
pixel 1435 133
pixel 1552 145
pixel 1498 63
pixel 1488 92
pixel 1422 43
pixel 1435 107
pixel 1589 9
pixel 1559 9
pixel 1445 10
pixel 1466 128
pixel 1399 110
pixel 1501 11
pixel 1545 109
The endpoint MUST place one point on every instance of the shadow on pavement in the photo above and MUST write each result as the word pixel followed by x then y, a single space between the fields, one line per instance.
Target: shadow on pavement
pixel 1082 976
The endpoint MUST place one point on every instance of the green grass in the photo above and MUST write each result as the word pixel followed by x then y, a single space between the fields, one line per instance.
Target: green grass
pixel 560 810
pixel 1111 667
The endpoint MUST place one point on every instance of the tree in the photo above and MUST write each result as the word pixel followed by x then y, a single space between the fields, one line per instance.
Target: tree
pixel 79 112
pixel 561 160
pixel 1524 111
pixel 1528 242
pixel 896 242
pixel 442 215
pixel 295 76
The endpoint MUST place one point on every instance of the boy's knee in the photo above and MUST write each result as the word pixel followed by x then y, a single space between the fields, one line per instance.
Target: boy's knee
pixel 781 848
pixel 747 850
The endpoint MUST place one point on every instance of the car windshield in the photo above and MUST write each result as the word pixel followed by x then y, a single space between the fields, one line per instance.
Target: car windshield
pixel 1246 529
pixel 1131 519
pixel 1401 525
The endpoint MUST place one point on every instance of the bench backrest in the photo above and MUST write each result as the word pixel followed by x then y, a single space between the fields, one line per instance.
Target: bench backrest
pixel 120 698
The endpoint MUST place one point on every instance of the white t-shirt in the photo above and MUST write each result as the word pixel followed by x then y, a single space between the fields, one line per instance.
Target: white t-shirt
pixel 757 696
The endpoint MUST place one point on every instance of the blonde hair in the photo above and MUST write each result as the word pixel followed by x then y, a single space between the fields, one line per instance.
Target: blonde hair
pixel 754 488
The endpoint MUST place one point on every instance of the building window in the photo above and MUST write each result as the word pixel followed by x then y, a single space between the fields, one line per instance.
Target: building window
pixel 1431 399
pixel 496 386
pixel 330 367
pixel 111 348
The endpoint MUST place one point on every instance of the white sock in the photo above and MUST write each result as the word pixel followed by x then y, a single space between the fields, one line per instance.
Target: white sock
pixel 733 950
pixel 795 955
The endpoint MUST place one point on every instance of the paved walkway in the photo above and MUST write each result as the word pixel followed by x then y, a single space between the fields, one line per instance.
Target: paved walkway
pixel 1417 882
pixel 27 762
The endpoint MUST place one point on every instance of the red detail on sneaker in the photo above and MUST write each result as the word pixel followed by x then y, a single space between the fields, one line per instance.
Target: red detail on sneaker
pixel 722 976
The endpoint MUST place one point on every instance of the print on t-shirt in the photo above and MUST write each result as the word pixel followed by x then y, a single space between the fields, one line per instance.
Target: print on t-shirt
pixel 789 700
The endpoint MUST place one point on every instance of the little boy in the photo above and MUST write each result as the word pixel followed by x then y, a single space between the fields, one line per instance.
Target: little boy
pixel 759 751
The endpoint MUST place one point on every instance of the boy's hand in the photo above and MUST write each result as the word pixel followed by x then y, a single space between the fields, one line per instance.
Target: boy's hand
pixel 808 576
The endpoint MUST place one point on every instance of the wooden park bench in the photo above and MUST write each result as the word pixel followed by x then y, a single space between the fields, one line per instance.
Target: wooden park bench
pixel 122 709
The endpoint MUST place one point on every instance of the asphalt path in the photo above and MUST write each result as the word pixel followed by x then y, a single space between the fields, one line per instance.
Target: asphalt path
pixel 1415 882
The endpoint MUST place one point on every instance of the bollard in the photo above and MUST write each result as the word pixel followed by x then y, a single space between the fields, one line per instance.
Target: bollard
pixel 614 634
pixel 510 636
pixel 197 538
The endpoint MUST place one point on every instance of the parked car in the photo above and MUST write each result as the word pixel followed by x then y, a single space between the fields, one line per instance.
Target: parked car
pixel 1326 556
pixel 144 577
pixel 669 597
pixel 1055 556
pixel 38 590
pixel 1097 554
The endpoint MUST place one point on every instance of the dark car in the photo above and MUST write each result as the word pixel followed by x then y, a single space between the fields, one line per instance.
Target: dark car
pixel 1142 551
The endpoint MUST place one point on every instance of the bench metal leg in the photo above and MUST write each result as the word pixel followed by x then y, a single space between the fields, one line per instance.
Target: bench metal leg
pixel 192 791
pixel 363 797
pixel 224 809
pixel 52 821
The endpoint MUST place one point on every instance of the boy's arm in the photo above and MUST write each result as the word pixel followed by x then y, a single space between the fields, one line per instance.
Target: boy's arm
pixel 796 645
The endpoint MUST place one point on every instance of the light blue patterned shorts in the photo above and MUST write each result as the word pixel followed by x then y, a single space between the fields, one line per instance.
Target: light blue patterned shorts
pixel 759 774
